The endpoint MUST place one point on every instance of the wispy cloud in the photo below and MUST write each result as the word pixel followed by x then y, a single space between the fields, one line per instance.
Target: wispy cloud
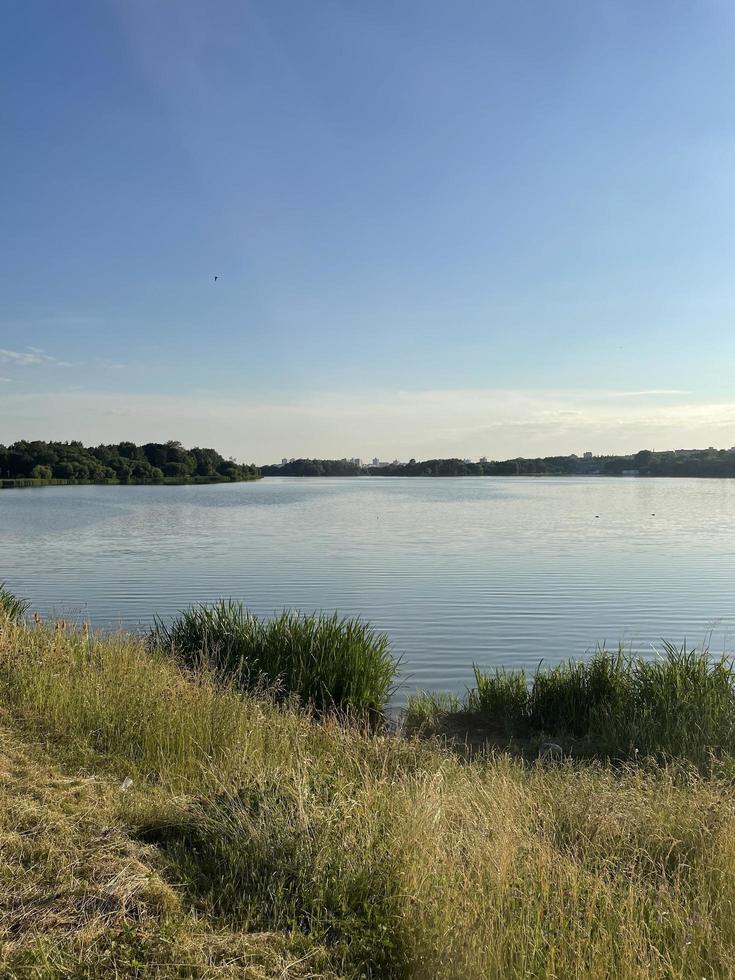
pixel 30 356
pixel 21 358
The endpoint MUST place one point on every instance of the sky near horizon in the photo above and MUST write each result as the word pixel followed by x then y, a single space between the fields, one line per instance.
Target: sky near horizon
pixel 440 229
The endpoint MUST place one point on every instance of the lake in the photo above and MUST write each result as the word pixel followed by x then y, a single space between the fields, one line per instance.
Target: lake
pixel 492 571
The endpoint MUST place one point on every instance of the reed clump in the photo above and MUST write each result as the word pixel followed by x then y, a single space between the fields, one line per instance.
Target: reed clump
pixel 680 704
pixel 11 606
pixel 328 663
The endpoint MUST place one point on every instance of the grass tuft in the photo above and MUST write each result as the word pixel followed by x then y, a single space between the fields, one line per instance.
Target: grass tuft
pixel 327 662
pixel 11 606
pixel 679 705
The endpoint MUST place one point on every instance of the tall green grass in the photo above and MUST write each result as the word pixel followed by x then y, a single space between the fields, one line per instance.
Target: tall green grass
pixel 393 858
pixel 12 606
pixel 327 662
pixel 681 703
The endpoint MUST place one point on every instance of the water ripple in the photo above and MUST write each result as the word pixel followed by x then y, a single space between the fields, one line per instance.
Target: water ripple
pixel 486 571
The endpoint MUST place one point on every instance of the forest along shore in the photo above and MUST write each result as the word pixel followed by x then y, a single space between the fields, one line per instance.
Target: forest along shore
pixel 28 464
pixel 676 463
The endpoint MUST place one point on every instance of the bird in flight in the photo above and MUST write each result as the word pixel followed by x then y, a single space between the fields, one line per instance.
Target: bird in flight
pixel 216 278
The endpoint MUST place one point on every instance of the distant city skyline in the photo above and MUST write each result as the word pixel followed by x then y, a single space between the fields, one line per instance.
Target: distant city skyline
pixel 408 229
pixel 586 455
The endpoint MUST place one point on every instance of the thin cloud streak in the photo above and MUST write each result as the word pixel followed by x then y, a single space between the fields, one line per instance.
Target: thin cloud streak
pixel 30 357
pixel 21 358
pixel 651 393
pixel 38 357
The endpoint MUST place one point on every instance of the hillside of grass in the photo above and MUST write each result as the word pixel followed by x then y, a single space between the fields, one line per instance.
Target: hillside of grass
pixel 161 821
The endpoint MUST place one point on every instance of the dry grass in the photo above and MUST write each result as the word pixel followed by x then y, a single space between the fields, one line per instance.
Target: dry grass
pixel 80 896
pixel 371 856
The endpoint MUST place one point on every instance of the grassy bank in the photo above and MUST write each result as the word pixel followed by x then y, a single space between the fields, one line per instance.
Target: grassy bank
pixel 257 841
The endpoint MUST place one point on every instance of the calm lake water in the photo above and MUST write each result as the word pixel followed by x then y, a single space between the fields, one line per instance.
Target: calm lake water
pixel 493 571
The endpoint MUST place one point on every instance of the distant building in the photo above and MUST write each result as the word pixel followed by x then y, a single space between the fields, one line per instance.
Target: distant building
pixel 587 456
pixel 284 461
pixel 483 459
pixel 356 461
pixel 376 461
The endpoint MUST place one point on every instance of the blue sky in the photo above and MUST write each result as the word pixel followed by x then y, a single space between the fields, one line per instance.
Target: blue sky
pixel 440 228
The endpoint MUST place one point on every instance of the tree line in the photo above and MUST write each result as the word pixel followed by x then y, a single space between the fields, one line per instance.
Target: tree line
pixel 678 463
pixel 122 462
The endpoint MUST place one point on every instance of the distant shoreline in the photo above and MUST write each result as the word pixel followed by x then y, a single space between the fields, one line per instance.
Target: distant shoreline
pixel 646 462
pixel 494 476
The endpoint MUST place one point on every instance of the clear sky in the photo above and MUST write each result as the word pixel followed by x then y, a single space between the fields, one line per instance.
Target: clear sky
pixel 440 228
